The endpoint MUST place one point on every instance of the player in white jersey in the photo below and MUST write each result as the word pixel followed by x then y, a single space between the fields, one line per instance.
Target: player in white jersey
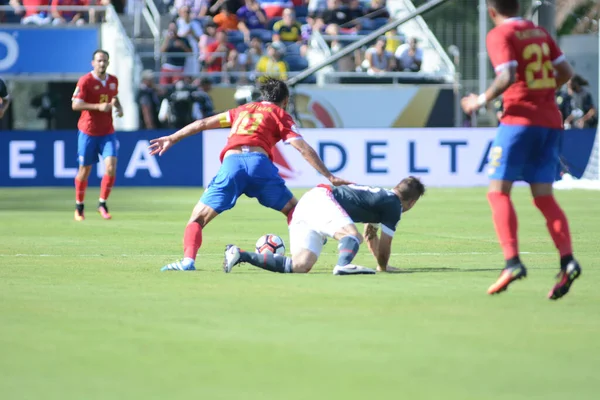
pixel 327 211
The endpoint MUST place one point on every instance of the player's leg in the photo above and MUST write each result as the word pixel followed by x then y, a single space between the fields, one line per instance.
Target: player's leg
pixel 305 247
pixel 541 175
pixel 507 161
pixel 109 150
pixel 220 195
pixel 87 155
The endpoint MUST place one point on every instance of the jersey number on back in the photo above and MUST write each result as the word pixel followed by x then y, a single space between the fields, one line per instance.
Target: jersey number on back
pixel 538 65
pixel 246 123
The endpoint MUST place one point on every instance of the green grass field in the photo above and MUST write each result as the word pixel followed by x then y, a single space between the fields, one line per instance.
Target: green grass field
pixel 86 314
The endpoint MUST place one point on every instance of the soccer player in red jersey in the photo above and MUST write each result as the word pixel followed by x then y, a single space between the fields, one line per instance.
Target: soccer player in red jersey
pixel 247 162
pixel 529 67
pixel 96 97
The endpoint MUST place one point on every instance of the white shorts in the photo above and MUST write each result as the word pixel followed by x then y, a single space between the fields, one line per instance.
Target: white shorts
pixel 317 215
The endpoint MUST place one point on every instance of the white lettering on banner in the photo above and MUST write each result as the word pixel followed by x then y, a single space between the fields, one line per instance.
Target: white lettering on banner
pixel 18 158
pixel 12 51
pixel 451 157
pixel 60 171
pixel 141 159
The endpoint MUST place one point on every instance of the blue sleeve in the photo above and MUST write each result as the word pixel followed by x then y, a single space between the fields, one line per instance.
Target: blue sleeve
pixel 390 216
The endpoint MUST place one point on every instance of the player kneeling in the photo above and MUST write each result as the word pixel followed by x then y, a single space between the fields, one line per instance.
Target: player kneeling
pixel 327 211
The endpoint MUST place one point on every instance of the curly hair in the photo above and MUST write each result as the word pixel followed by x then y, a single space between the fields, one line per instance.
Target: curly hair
pixel 274 90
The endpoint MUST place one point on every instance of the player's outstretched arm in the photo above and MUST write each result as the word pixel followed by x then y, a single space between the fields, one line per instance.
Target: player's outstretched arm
pixel 162 144
pixel 372 239
pixel 384 249
pixel 506 77
pixel 117 105
pixel 315 161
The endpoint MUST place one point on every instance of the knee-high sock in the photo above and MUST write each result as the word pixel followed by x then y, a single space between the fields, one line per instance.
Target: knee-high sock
pixel 505 222
pixel 106 186
pixel 348 247
pixel 192 240
pixel 267 261
pixel 80 187
pixel 557 223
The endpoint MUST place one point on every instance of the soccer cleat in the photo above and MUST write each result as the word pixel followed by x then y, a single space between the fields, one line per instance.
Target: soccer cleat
pixel 232 257
pixel 179 266
pixel 352 269
pixel 564 279
pixel 507 276
pixel 79 216
pixel 103 210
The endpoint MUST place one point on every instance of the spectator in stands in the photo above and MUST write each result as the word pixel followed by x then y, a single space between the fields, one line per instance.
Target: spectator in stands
pixel 347 63
pixel 31 11
pixel 583 114
pixel 315 8
pixel 251 16
pixel 207 38
pixel 62 16
pixel 213 7
pixel 272 65
pixel 275 8
pixel 255 51
pixel 409 56
pixel 97 16
pixel 221 56
pixel 377 9
pixel 337 13
pixel 288 29
pixel 563 101
pixel 377 59
pixel 148 100
pixel 202 104
pixel 172 48
pixel 195 7
pixel 191 30
pixel 226 20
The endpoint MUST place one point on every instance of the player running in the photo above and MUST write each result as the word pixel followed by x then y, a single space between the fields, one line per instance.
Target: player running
pixel 331 212
pixel 529 67
pixel 4 98
pixel 96 97
pixel 247 166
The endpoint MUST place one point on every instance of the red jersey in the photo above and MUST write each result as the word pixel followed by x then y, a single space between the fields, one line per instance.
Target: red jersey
pixel 93 90
pixel 261 124
pixel 530 100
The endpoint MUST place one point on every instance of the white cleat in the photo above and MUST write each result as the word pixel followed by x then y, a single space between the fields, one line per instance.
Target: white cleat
pixel 352 269
pixel 232 257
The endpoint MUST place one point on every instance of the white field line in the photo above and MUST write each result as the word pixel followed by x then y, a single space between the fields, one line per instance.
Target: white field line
pixel 472 253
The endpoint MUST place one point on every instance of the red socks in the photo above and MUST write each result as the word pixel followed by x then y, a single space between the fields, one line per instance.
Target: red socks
pixel 505 222
pixel 192 240
pixel 80 187
pixel 557 223
pixel 106 186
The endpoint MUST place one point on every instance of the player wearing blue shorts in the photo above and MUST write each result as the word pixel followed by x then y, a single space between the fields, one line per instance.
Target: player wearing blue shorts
pixel 529 67
pixel 247 166
pixel 96 97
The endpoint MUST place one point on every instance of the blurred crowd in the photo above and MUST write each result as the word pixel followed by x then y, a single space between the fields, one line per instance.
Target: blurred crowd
pixel 241 40
pixel 55 12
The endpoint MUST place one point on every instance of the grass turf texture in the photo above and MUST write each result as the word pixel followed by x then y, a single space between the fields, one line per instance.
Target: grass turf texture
pixel 95 318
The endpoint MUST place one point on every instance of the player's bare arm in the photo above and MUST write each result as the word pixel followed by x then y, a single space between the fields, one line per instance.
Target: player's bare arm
pixel 313 159
pixel 506 77
pixel 162 144
pixel 117 105
pixel 80 105
pixel 563 72
pixel 4 103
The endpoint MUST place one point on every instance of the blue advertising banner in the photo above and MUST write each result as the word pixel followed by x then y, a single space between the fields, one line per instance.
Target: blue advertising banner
pixel 26 50
pixel 50 159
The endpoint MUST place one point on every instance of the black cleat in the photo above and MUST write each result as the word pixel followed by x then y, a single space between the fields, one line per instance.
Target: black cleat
pixel 564 280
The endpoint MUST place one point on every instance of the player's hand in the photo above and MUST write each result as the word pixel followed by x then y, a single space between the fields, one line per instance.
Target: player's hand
pixel 105 107
pixel 580 123
pixel 469 103
pixel 160 145
pixel 119 112
pixel 335 181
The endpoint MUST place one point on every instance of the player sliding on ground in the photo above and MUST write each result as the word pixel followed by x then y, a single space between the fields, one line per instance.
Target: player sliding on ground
pixel 331 212
pixel 96 97
pixel 529 67
pixel 247 166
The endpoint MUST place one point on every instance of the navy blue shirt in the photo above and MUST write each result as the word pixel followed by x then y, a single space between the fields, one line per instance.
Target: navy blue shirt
pixel 370 204
pixel 3 90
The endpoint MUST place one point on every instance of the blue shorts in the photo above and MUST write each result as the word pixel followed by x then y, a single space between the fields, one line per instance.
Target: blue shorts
pixel 525 153
pixel 252 174
pixel 89 147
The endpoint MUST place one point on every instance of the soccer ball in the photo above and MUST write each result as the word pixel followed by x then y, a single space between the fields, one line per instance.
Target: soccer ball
pixel 270 243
